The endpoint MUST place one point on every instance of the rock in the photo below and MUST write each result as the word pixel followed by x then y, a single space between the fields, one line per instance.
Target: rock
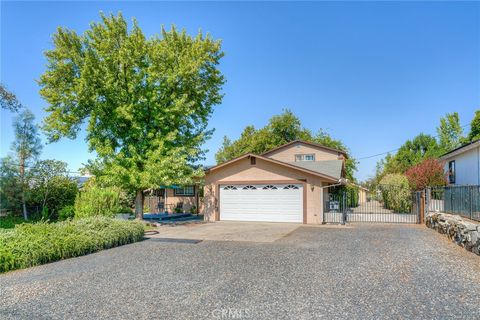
pixel 465 233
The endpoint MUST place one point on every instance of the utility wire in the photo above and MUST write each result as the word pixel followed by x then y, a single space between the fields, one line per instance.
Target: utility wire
pixel 393 150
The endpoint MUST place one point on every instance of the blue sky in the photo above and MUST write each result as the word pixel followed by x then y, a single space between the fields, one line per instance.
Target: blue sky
pixel 372 74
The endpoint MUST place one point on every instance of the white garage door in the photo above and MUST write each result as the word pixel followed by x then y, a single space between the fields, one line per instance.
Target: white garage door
pixel 273 202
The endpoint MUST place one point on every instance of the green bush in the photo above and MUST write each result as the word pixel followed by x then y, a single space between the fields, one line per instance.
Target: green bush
pixel 67 212
pixel 29 245
pixel 396 194
pixel 95 201
pixel 11 221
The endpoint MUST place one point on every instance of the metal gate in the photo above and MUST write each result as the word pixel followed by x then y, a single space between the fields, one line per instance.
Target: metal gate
pixel 384 204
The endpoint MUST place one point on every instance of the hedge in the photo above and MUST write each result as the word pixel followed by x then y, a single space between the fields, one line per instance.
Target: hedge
pixel 29 245
pixel 396 193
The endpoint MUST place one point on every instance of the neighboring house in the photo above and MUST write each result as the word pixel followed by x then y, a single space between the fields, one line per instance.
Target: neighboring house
pixel 463 164
pixel 286 184
pixel 362 195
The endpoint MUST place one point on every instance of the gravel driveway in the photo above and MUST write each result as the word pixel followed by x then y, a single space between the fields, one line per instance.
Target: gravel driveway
pixel 364 272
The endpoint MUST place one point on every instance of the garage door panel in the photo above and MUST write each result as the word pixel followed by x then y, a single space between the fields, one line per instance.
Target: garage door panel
pixel 262 203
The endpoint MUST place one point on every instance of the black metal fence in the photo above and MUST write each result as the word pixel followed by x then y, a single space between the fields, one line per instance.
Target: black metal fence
pixel 459 200
pixel 384 204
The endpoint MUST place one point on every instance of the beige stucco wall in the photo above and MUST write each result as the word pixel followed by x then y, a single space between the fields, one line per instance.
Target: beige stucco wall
pixel 262 171
pixel 362 196
pixel 288 153
pixel 172 200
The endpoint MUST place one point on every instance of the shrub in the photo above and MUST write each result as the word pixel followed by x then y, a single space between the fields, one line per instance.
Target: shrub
pixel 95 201
pixel 429 173
pixel 396 194
pixel 11 221
pixel 28 245
pixel 178 210
pixel 67 212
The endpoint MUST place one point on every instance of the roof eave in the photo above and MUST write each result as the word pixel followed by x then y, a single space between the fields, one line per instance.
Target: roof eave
pixel 460 150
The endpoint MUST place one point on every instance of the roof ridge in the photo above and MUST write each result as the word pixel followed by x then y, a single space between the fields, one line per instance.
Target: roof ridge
pixel 308 143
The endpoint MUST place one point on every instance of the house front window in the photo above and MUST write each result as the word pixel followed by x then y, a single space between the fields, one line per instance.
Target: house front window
pixel 305 157
pixel 451 172
pixel 185 191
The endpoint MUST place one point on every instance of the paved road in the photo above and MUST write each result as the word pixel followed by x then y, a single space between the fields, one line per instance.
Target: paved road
pixel 364 272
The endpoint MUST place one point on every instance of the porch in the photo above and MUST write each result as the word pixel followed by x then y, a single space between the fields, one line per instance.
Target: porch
pixel 172 199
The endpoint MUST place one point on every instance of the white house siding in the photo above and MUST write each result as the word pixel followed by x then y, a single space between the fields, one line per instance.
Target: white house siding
pixel 467 166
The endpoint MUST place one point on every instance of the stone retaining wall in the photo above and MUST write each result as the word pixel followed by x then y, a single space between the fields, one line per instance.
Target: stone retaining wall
pixel 464 233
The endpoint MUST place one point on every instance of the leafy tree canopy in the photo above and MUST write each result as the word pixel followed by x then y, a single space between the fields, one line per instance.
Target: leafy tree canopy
pixel 474 133
pixel 411 153
pixel 428 173
pixel 280 129
pixel 146 101
pixel 449 132
pixel 52 188
pixel 8 100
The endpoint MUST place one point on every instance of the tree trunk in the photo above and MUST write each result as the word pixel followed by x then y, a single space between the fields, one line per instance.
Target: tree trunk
pixel 22 179
pixel 139 198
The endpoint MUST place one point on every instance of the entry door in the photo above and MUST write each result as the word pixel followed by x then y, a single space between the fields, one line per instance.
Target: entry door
pixel 262 202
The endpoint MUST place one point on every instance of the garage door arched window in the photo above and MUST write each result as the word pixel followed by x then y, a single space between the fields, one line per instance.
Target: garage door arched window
pixel 229 188
pixel 269 187
pixel 249 188
pixel 291 186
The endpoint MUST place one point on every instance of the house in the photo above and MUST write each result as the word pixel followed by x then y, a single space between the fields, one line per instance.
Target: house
pixel 362 195
pixel 171 199
pixel 463 164
pixel 285 184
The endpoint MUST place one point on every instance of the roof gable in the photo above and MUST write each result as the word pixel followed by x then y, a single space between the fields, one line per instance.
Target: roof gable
pixel 307 143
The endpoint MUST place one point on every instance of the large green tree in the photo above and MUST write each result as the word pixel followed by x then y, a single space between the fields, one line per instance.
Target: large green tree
pixel 411 153
pixel 26 147
pixel 449 132
pixel 280 129
pixel 474 133
pixel 146 101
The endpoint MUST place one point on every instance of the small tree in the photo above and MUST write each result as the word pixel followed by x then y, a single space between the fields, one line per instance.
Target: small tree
pixel 429 173
pixel 52 188
pixel 27 147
